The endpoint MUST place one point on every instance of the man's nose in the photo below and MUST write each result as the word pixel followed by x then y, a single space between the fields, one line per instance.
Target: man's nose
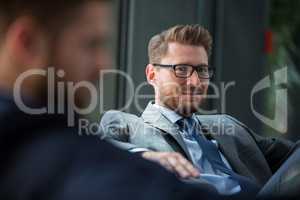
pixel 194 79
pixel 103 60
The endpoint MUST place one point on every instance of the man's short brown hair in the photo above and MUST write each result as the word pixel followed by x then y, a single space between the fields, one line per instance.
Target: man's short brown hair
pixel 194 35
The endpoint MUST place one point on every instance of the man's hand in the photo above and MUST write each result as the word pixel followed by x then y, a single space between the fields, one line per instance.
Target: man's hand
pixel 173 162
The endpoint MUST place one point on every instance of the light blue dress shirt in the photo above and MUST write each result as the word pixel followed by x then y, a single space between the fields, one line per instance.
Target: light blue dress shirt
pixel 221 181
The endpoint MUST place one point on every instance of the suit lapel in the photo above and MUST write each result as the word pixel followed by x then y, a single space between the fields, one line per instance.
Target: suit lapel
pixel 153 117
pixel 228 147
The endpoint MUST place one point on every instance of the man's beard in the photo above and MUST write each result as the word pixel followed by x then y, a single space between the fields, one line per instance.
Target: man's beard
pixel 187 108
pixel 181 104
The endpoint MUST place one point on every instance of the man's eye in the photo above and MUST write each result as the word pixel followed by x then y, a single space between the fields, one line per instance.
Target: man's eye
pixel 182 68
pixel 97 43
pixel 203 70
pixel 94 44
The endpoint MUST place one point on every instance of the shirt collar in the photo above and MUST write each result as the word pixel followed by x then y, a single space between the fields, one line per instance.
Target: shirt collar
pixel 171 115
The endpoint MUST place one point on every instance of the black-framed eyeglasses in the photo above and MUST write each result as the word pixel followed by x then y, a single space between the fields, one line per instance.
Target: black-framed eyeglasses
pixel 186 70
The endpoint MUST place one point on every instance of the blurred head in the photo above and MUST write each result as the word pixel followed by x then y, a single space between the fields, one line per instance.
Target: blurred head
pixel 171 53
pixel 69 35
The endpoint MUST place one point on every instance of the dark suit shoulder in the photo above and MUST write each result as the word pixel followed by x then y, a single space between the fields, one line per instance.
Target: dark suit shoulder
pixel 65 165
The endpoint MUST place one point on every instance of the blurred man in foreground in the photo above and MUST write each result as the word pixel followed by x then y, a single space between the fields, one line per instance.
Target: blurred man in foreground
pixel 47 48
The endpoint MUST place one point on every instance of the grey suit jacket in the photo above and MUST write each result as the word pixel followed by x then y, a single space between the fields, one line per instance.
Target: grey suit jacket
pixel 249 154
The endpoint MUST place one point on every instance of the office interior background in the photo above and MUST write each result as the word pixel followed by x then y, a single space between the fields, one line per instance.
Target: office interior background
pixel 252 40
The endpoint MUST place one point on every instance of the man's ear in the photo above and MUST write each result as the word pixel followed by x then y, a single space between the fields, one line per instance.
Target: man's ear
pixel 150 74
pixel 27 43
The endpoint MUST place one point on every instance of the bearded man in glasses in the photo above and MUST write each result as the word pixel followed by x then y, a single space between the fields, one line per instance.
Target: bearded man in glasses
pixel 232 159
